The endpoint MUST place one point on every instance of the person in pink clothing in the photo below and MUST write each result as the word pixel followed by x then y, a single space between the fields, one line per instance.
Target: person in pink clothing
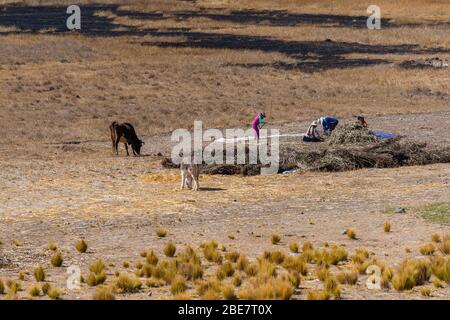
pixel 257 123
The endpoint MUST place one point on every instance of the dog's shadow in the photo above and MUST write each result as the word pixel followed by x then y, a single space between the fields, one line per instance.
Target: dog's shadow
pixel 211 189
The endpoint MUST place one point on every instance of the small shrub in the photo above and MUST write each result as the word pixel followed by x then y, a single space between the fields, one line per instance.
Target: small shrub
pixel 39 274
pixel 275 239
pixel 57 259
pixel 170 249
pixel 81 246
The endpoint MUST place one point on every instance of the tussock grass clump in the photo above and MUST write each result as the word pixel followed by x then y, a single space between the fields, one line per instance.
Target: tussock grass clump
pixel 387 226
pixel 170 249
pixel 97 267
pixel 270 289
pixel 251 270
pixel 232 256
pixel 318 295
pixel 81 246
pixel 183 296
pixel 347 277
pixel 440 267
pixel 126 283
pixel 104 293
pixel 211 252
pixel 52 246
pixel 95 279
pixel 307 246
pixel 444 247
pixel 360 256
pixel 266 269
pixel 45 288
pixel 151 258
pixel 39 274
pixel 35 291
pixel 275 239
pixel 126 264
pixel 242 263
pixel 228 292
pixel 411 273
pixel 166 270
pixel 2 287
pixel 437 283
pixel 322 273
pixel 191 270
pixel 178 285
pixel 143 253
pixel 330 257
pixel 331 286
pixel 297 264
pixel 138 265
pixel 54 293
pixel 427 249
pixel 293 247
pixel 435 238
pixel 426 292
pixel 351 233
pixel 21 275
pixel 57 259
pixel 161 233
pixel 154 283
pixel 146 271
pixel 227 268
pixel 13 286
pixel 276 257
pixel 237 280
pixel 209 289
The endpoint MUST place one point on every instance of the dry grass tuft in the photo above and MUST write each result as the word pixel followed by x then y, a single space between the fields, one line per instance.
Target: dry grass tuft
pixel 52 246
pixel 126 264
pixel 293 247
pixel 57 259
pixel 161 233
pixel 437 283
pixel 307 246
pixel 178 285
pixel 45 288
pixel 126 283
pixel 275 239
pixel 297 264
pixel 97 267
pixel 444 247
pixel 237 280
pixel 440 266
pixel 228 292
pixel 54 293
pixel 39 274
pixel 152 258
pixel 81 246
pixel 270 289
pixel 2 287
pixel 427 249
pixel 435 238
pixel 426 292
pixel 347 277
pixel 322 273
pixel 211 252
pixel 104 293
pixel 95 279
pixel 170 249
pixel 242 263
pixel 387 226
pixel 351 233
pixel 35 291
pixel 318 295
pixel 411 273
pixel 232 256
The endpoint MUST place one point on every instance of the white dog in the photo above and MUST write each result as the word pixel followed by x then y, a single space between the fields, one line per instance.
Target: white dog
pixel 190 173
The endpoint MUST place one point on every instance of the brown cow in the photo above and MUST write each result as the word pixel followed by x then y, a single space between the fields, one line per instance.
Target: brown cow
pixel 124 132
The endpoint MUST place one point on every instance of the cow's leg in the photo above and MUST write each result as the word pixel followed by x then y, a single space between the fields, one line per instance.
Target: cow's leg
pixel 116 145
pixel 126 148
pixel 134 153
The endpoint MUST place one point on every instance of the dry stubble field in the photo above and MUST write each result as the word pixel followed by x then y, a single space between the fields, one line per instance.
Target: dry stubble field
pixel 163 64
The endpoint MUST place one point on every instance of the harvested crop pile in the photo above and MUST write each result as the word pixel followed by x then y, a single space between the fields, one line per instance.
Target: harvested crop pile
pixel 436 63
pixel 351 133
pixel 389 153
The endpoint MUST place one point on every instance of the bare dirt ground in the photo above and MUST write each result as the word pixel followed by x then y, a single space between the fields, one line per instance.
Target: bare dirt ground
pixel 163 64
pixel 116 203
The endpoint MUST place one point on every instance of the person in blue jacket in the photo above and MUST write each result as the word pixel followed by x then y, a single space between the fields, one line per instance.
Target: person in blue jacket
pixel 328 124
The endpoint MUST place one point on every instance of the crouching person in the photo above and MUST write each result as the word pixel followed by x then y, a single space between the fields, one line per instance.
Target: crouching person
pixel 328 124
pixel 312 135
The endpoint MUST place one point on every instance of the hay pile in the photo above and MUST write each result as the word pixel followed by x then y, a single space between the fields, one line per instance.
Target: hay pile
pixel 389 153
pixel 351 133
